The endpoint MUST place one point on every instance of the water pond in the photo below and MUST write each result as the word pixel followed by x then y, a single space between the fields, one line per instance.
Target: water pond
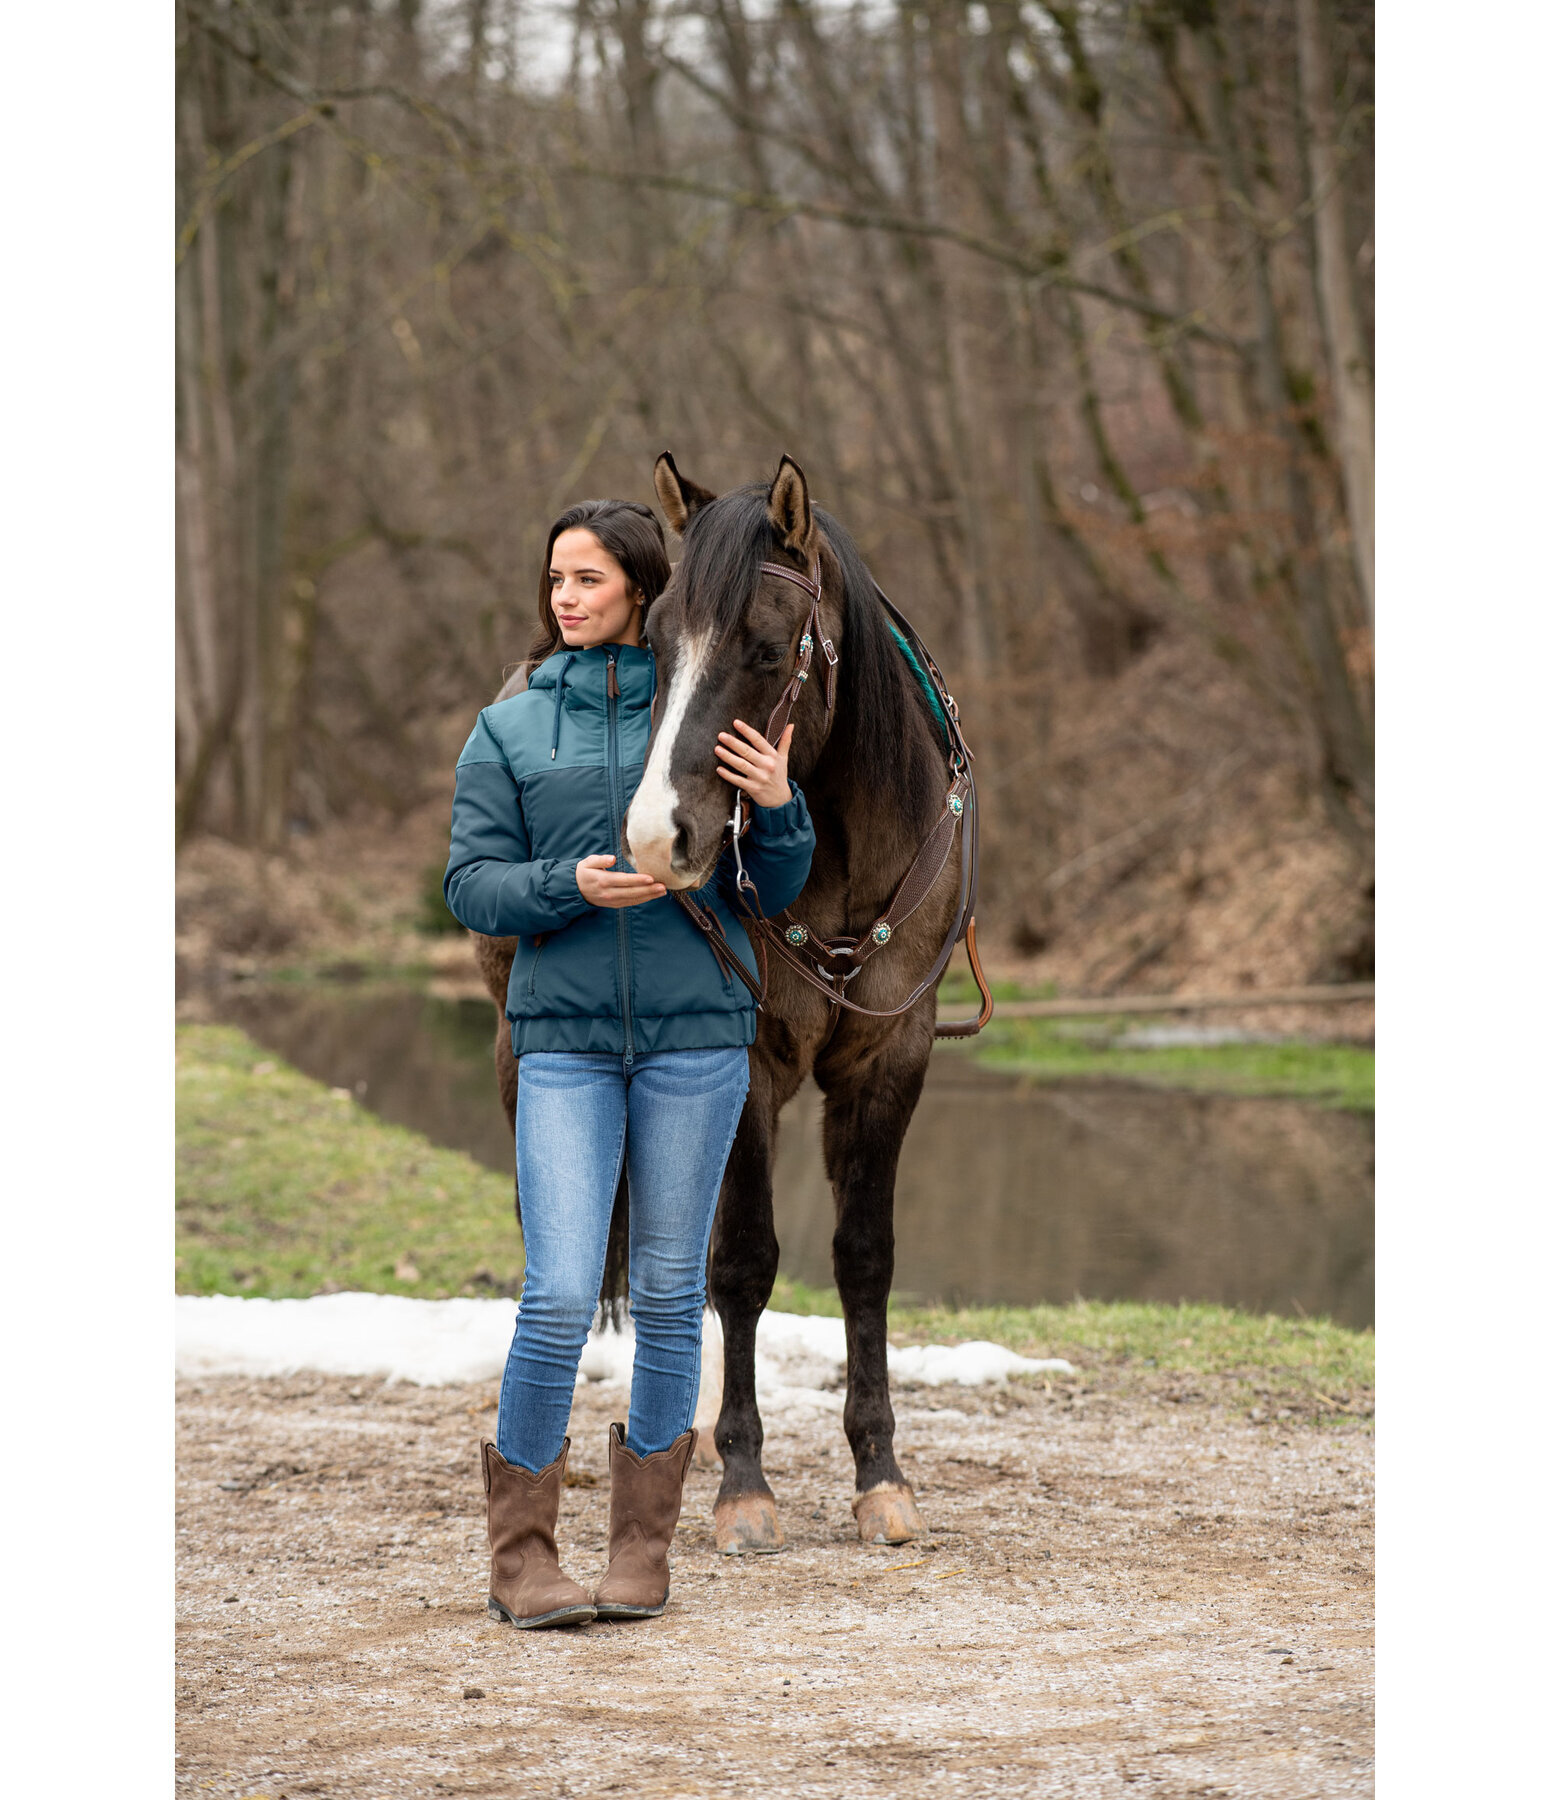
pixel 1009 1192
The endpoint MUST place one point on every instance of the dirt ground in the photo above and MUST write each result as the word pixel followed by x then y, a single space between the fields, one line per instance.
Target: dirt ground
pixel 1125 1592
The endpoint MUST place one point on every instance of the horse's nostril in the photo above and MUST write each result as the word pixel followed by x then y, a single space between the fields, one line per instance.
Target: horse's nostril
pixel 681 845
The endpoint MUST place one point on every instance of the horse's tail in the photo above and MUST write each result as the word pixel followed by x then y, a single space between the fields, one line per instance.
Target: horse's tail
pixel 615 1294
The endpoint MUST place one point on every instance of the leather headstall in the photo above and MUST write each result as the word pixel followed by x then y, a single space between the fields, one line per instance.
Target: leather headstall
pixel 830 965
pixel 813 634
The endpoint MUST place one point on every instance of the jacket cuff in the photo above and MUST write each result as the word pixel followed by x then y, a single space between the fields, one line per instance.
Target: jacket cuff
pixel 789 820
pixel 561 891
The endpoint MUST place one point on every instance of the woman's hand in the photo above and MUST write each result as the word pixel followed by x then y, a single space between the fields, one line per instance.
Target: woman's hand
pixel 603 885
pixel 756 765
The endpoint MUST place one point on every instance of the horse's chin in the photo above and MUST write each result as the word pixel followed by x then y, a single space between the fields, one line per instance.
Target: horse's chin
pixel 675 879
pixel 688 881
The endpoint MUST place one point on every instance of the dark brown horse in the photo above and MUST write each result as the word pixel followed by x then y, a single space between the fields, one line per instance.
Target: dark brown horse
pixel 725 633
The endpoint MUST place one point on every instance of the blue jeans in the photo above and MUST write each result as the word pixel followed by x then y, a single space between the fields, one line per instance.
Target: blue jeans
pixel 674 1114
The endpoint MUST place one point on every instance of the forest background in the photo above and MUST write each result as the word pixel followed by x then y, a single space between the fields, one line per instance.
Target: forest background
pixel 1065 309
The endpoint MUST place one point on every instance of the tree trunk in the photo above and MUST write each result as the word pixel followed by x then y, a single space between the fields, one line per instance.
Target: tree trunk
pixel 952 298
pixel 1346 746
pixel 1350 371
pixel 282 636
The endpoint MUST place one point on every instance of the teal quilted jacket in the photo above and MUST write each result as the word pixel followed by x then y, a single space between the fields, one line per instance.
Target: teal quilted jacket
pixel 543 781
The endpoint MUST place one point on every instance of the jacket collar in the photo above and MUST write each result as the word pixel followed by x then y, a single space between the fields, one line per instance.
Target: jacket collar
pixel 583 675
pixel 586 671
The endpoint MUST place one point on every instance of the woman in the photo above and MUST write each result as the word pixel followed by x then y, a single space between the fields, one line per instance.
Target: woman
pixel 633 1045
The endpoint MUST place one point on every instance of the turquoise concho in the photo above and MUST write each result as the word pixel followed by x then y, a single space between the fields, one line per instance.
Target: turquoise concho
pixel 881 933
pixel 796 934
pixel 955 805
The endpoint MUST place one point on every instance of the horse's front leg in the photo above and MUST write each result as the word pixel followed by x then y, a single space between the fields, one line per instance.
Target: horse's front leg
pixel 869 1100
pixel 744 1258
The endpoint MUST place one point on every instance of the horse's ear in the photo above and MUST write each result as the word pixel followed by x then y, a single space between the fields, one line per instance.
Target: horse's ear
pixel 681 499
pixel 791 511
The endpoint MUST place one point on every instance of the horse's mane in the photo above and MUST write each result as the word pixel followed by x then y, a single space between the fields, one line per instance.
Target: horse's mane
pixel 883 728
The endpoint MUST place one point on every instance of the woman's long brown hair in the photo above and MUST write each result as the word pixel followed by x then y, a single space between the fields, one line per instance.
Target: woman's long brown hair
pixel 630 534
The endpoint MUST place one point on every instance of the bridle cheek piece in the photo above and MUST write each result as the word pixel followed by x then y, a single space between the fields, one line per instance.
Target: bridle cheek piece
pixel 812 628
pixel 795 943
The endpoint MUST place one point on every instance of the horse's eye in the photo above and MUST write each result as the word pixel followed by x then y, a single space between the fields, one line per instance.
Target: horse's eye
pixel 770 656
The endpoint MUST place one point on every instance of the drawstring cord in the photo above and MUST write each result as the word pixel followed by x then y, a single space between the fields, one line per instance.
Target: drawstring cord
pixel 559 689
pixel 559 693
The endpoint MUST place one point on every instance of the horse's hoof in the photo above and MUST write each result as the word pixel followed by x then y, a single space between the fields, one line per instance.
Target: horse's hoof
pixel 748 1526
pixel 887 1514
pixel 706 1455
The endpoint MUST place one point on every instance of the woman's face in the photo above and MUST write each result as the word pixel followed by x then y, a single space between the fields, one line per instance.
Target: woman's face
pixel 590 593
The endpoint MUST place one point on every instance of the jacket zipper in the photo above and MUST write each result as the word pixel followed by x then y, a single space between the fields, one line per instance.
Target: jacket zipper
pixel 538 955
pixel 616 821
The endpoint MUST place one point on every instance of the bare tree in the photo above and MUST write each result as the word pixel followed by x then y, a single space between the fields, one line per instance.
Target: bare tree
pixel 1065 305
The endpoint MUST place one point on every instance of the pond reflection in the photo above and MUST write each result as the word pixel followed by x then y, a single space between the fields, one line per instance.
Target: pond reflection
pixel 1008 1192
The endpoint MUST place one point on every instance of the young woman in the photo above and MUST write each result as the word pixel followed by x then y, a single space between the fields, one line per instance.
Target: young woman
pixel 633 1047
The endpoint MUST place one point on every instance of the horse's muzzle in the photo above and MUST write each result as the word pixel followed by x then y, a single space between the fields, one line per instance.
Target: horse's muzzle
pixel 679 861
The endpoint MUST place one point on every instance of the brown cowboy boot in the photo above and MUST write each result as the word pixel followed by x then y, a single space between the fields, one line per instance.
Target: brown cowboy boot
pixel 527 1584
pixel 647 1492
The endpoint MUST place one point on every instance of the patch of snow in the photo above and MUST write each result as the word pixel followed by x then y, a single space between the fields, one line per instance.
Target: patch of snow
pixel 428 1342
pixel 795 1350
pixel 799 1361
pixel 968 1365
pixel 779 1399
pixel 608 1357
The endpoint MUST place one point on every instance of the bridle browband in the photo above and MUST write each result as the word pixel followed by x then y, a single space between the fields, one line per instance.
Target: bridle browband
pixel 830 964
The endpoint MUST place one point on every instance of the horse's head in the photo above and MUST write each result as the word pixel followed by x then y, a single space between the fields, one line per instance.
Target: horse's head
pixel 727 637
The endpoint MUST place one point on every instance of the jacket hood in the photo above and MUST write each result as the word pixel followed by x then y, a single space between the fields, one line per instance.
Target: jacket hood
pixel 578 679
pixel 586 671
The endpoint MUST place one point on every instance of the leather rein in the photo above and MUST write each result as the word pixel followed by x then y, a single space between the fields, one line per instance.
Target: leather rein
pixel 829 965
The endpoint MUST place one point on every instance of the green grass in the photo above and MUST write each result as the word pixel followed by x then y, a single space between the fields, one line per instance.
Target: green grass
pixel 286 1189
pixel 1313 1359
pixel 1190 1338
pixel 1338 1075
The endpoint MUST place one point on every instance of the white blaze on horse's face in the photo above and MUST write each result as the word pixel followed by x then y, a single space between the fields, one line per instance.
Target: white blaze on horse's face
pixel 652 826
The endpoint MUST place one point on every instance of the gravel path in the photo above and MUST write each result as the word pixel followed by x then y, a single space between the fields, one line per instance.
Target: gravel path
pixel 1124 1593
